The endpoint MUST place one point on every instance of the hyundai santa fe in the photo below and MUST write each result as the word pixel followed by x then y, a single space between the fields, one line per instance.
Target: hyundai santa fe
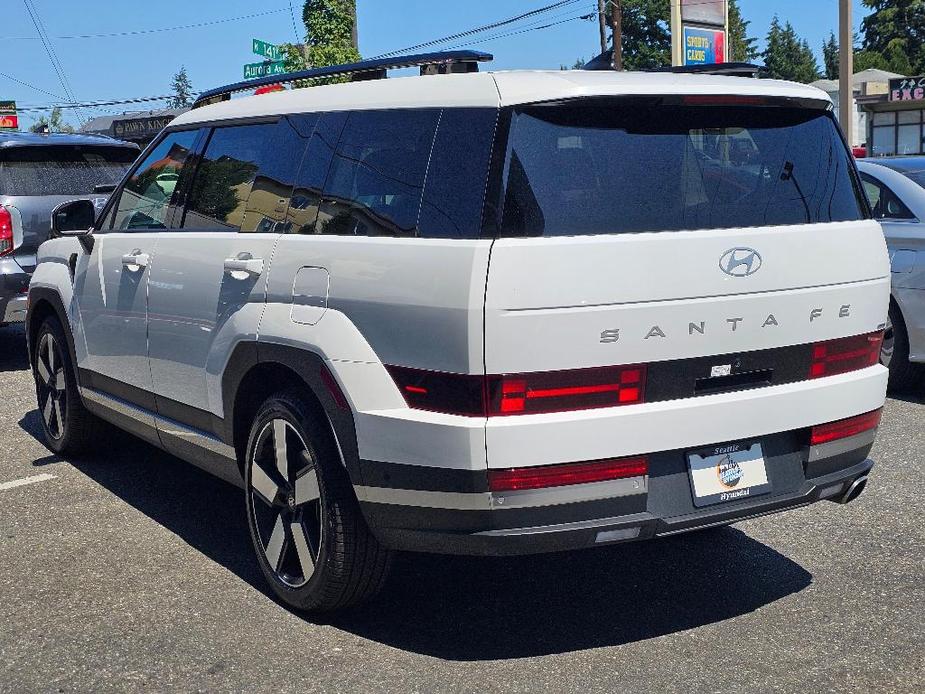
pixel 478 313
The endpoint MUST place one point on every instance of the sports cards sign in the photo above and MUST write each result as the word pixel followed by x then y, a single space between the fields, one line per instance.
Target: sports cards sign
pixel 704 46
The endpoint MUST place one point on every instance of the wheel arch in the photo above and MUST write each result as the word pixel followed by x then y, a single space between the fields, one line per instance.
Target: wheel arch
pixel 44 302
pixel 256 370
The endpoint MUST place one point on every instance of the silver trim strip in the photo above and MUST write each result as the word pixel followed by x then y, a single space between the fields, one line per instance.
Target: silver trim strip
pixel 119 406
pixel 485 501
pixel 834 448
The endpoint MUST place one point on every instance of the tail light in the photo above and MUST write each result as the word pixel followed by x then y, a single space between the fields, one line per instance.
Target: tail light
pixel 6 231
pixel 570 473
pixel 530 393
pixel 845 428
pixel 846 354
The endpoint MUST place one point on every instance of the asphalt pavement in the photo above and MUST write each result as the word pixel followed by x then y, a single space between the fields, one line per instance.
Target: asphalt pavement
pixel 131 570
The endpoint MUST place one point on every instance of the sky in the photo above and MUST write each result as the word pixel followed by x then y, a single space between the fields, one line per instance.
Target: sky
pixel 142 65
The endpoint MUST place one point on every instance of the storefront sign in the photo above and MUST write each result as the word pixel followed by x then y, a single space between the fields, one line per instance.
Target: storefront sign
pixel 711 12
pixel 907 89
pixel 704 46
pixel 140 128
pixel 8 118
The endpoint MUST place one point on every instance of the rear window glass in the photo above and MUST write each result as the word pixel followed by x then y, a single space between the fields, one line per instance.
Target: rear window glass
pixel 62 169
pixel 605 167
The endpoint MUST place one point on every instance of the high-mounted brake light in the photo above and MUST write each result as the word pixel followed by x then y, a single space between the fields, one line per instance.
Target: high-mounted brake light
pixel 529 393
pixel 6 231
pixel 845 428
pixel 723 100
pixel 845 354
pixel 544 476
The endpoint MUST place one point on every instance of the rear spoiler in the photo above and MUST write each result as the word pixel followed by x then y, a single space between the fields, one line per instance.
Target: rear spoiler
pixel 605 62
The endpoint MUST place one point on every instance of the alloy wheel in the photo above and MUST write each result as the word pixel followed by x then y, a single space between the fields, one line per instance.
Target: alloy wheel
pixel 286 502
pixel 889 344
pixel 52 386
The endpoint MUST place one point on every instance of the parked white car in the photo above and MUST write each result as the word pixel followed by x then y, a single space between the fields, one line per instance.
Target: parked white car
pixel 897 196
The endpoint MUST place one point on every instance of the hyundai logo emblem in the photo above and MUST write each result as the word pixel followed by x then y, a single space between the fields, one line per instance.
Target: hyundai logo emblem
pixel 740 262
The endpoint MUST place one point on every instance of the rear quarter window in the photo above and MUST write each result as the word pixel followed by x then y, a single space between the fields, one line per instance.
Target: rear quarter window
pixel 603 166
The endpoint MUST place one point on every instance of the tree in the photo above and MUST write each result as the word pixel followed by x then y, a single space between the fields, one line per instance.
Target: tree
pixel 830 57
pixel 53 124
pixel 742 47
pixel 788 57
pixel 182 89
pixel 329 39
pixel 895 29
pixel 577 65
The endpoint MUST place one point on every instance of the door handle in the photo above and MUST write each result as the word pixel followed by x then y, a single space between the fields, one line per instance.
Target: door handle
pixel 136 260
pixel 244 263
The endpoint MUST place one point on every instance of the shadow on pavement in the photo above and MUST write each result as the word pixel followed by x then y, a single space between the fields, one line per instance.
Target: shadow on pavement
pixel 13 355
pixel 464 608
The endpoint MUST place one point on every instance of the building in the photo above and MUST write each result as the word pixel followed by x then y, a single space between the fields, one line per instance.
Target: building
pixel 867 83
pixel 895 122
pixel 139 126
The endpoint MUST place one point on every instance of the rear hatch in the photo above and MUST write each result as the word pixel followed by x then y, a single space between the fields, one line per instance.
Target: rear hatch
pixel 34 179
pixel 674 231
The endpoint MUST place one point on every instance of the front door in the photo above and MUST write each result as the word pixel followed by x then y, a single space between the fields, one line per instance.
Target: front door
pixel 111 282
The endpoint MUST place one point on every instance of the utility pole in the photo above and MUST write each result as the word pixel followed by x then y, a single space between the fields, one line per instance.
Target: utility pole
pixel 616 26
pixel 846 70
pixel 356 39
pixel 602 23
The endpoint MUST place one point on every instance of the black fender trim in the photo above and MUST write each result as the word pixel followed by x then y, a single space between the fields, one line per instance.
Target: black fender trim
pixel 37 294
pixel 310 367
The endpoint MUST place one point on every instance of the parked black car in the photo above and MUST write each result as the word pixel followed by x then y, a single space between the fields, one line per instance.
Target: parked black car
pixel 37 173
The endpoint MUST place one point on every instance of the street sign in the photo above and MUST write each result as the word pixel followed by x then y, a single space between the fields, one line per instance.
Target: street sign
pixel 254 70
pixel 712 12
pixel 8 118
pixel 704 46
pixel 267 50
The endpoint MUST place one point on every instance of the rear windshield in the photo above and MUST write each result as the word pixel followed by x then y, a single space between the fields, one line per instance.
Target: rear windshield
pixel 61 169
pixel 637 165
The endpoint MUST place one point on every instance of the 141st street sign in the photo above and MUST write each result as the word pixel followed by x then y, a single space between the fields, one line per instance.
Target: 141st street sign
pixel 267 50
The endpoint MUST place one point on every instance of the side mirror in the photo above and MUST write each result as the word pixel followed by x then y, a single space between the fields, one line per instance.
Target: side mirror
pixel 74 218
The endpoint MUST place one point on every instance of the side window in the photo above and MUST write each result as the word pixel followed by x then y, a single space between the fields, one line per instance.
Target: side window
pixel 884 202
pixel 147 193
pixel 306 196
pixel 244 180
pixel 376 180
pixel 457 176
pixel 873 191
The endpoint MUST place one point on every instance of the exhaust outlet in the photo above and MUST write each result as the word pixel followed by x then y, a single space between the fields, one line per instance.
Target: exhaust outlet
pixel 854 491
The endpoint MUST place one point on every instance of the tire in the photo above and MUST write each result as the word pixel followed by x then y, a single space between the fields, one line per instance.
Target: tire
pixel 904 375
pixel 69 428
pixel 311 540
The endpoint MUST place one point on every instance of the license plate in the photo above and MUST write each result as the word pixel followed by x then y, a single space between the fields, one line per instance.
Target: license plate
pixel 728 473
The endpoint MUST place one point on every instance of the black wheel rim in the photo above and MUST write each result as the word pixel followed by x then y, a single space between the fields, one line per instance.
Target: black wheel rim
pixel 889 344
pixel 286 503
pixel 52 386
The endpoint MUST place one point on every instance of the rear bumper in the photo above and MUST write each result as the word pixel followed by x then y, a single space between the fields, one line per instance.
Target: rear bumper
pixel 14 285
pixel 660 504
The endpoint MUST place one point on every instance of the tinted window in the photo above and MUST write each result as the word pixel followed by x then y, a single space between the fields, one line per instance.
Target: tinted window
pixel 244 180
pixel 883 201
pixel 605 166
pixel 306 197
pixel 457 176
pixel 377 176
pixel 146 195
pixel 62 169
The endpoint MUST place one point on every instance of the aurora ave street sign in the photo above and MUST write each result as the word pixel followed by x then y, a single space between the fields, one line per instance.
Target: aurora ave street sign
pixel 254 70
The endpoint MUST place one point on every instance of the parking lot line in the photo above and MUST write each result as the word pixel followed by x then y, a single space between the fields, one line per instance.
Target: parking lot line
pixel 25 480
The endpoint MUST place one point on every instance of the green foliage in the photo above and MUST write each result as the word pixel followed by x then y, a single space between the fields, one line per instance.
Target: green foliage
pixel 329 38
pixel 53 124
pixel 895 30
pixel 577 65
pixel 742 47
pixel 787 57
pixel 830 57
pixel 182 89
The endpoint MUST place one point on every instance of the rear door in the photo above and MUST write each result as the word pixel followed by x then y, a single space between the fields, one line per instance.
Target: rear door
pixel 648 230
pixel 111 282
pixel 208 286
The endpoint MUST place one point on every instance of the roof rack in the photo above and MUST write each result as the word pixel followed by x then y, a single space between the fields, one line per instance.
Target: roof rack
pixel 605 62
pixel 430 63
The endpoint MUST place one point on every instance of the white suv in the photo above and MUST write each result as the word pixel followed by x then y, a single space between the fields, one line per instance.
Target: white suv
pixel 479 313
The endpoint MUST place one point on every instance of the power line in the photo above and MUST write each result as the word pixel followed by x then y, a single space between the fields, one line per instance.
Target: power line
pixel 527 30
pixel 295 30
pixel 32 86
pixel 138 32
pixel 96 104
pixel 481 29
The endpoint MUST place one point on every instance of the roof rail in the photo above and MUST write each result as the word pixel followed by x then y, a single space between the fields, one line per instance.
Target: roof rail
pixel 605 62
pixel 430 63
